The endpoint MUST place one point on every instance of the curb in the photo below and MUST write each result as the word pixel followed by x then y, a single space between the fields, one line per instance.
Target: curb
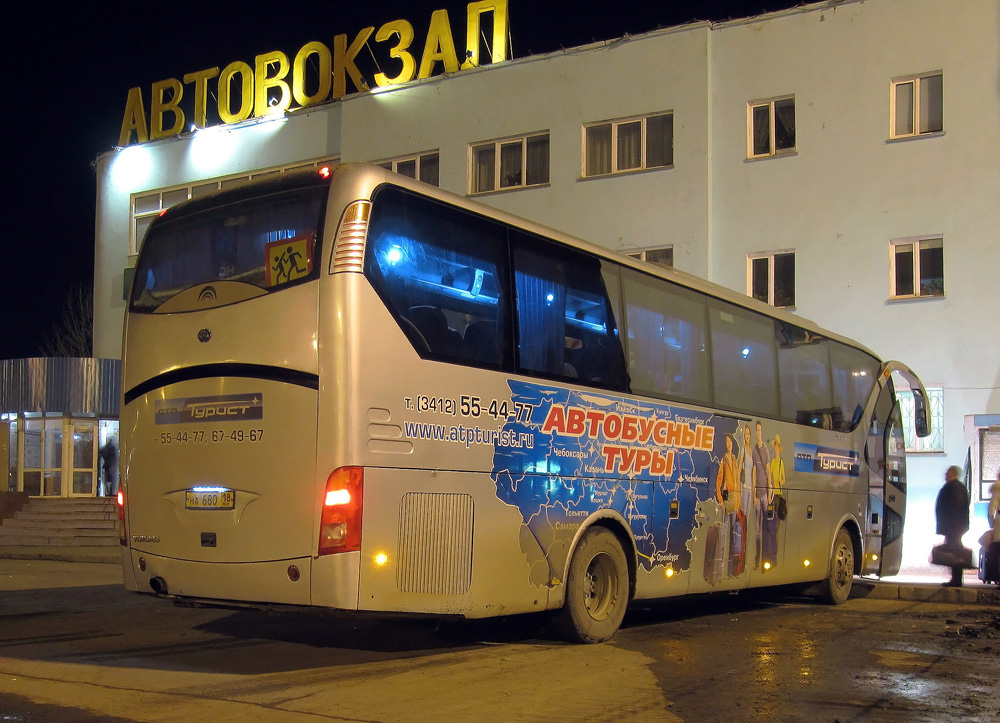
pixel 104 554
pixel 930 592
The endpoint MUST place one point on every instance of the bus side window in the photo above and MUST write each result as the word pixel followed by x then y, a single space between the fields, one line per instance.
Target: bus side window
pixel 855 374
pixel 441 272
pixel 804 371
pixel 667 339
pixel 743 359
pixel 565 323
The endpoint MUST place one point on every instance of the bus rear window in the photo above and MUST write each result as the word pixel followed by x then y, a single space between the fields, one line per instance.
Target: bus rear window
pixel 270 242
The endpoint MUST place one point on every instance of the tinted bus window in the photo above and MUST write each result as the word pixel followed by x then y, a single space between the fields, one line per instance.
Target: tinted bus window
pixel 743 359
pixel 269 242
pixel 441 271
pixel 854 375
pixel 804 369
pixel 565 324
pixel 667 339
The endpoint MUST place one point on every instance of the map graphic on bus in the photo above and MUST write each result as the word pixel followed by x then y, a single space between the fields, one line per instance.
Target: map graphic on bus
pixel 651 462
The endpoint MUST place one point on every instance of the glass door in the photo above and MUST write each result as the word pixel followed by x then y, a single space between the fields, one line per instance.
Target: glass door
pixel 84 457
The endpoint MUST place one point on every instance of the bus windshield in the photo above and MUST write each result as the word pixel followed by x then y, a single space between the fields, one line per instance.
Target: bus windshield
pixel 268 242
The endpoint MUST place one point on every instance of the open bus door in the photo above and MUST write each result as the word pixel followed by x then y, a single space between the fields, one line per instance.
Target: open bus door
pixel 885 457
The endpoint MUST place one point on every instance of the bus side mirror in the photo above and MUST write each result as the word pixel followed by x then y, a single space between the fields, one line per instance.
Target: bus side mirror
pixel 920 422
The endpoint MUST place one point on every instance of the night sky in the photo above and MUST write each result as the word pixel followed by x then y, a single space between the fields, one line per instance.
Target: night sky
pixel 70 70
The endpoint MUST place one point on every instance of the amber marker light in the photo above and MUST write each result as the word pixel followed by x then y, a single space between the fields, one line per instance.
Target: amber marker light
pixel 806 563
pixel 381 558
pixel 670 572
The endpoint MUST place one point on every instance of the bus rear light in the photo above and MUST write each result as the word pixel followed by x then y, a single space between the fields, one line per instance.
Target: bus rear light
pixel 340 525
pixel 349 251
pixel 122 536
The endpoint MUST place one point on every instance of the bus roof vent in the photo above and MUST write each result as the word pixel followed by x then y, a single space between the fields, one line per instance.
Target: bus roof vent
pixel 349 252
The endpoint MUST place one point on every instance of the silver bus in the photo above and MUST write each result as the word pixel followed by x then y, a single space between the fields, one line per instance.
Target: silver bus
pixel 346 389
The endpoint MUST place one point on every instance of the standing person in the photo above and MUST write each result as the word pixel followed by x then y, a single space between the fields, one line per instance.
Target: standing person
pixel 727 494
pixel 952 512
pixel 109 458
pixel 762 490
pixel 993 549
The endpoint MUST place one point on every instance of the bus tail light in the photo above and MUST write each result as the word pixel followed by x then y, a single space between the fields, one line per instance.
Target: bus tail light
pixel 349 251
pixel 340 526
pixel 122 536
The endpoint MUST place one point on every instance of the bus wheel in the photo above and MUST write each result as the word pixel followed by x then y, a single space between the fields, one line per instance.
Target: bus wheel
pixel 841 576
pixel 597 589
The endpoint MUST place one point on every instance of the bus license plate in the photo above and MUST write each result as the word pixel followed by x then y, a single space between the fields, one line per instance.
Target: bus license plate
pixel 213 500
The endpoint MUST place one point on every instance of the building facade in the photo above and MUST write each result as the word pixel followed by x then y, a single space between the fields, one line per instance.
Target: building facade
pixel 839 159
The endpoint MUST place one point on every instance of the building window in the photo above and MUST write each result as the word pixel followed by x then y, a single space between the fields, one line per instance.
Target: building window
pixel 422 167
pixel 630 144
pixel 934 442
pixel 510 163
pixel 989 461
pixel 147 206
pixel 916 105
pixel 916 267
pixel 771 127
pixel 771 278
pixel 663 256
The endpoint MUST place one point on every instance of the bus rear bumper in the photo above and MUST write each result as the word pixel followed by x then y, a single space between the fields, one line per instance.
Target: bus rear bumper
pixel 286 582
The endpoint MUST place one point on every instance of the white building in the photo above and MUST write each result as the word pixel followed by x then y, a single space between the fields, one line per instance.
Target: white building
pixel 842 158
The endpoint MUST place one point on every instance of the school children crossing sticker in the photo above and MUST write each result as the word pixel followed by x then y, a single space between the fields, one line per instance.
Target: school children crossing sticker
pixel 289 259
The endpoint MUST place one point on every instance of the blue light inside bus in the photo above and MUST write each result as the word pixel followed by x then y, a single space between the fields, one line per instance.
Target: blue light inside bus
pixel 746 352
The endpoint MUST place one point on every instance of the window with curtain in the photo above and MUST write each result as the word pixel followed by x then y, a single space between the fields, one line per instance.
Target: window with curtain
pixel 422 166
pixel 628 144
pixel 667 339
pixel 566 326
pixel 517 162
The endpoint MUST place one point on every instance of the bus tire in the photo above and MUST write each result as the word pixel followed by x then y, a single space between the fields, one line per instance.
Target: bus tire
pixel 597 589
pixel 837 587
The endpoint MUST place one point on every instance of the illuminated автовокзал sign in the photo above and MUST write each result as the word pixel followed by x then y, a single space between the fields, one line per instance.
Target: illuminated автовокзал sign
pixel 317 75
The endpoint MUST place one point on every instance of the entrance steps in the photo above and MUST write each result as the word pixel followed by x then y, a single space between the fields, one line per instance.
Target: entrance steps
pixel 88 526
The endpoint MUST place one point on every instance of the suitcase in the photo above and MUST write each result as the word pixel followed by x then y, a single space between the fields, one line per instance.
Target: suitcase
pixel 989 563
pixel 952 557
pixel 715 553
pixel 738 554
pixel 769 541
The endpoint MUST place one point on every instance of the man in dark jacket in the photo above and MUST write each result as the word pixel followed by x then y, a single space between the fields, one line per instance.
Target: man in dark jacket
pixel 952 512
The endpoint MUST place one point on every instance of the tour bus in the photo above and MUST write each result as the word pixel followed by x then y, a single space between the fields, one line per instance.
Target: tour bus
pixel 346 389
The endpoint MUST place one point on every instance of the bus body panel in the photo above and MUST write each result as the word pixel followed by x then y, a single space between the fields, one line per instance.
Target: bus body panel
pixel 450 547
pixel 266 331
pixel 267 462
pixel 254 582
pixel 335 580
